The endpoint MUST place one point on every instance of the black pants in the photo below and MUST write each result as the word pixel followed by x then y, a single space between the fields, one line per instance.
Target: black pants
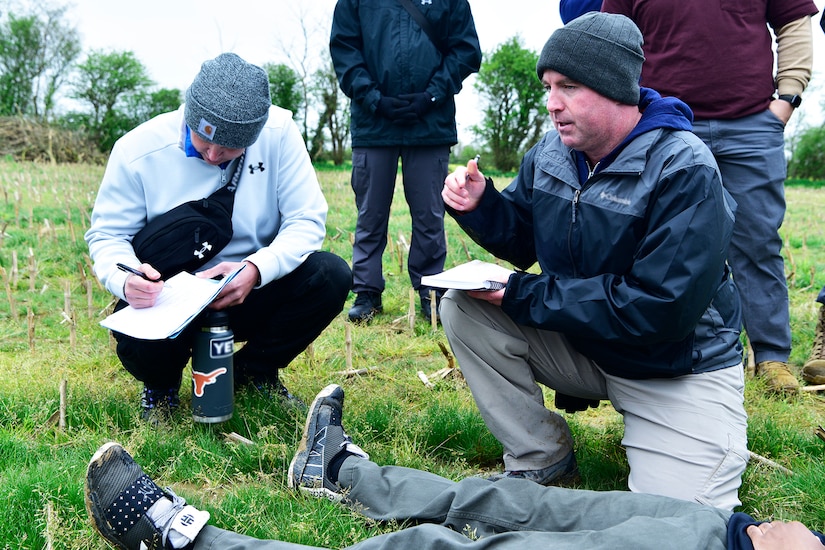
pixel 374 171
pixel 277 322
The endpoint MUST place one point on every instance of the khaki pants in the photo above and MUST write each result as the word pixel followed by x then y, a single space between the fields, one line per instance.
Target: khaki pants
pixel 685 437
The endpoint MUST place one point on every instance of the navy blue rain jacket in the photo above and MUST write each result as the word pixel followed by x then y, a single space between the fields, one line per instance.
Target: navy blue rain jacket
pixel 632 258
pixel 378 50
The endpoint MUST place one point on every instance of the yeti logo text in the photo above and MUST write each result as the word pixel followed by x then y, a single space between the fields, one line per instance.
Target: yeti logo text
pixel 221 348
pixel 203 379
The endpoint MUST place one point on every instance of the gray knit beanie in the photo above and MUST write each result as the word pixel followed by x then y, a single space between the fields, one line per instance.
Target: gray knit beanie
pixel 228 102
pixel 603 51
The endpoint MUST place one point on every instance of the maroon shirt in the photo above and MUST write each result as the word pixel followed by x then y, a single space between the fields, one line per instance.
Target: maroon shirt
pixel 715 55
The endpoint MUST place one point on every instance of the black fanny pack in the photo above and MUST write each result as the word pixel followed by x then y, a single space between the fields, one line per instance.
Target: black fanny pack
pixel 191 234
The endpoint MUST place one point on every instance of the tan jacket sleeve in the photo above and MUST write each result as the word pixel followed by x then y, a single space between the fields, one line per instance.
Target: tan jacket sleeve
pixel 794 56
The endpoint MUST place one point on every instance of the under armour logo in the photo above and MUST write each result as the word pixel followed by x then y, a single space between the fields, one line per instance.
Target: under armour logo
pixel 206 247
pixel 203 379
pixel 260 166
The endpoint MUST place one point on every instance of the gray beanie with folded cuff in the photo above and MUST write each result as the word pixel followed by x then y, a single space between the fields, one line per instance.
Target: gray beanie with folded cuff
pixel 228 102
pixel 603 51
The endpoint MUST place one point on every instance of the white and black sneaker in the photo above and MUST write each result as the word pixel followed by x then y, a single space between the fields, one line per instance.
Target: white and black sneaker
pixel 323 440
pixel 130 510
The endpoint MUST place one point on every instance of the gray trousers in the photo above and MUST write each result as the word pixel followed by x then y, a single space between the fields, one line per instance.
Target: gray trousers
pixel 374 171
pixel 684 437
pixel 475 514
pixel 750 152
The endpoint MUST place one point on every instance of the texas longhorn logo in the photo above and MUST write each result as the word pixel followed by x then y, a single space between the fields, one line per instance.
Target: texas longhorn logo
pixel 202 379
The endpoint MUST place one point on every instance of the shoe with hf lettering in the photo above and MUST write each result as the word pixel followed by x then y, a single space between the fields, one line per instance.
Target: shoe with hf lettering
pixel 129 509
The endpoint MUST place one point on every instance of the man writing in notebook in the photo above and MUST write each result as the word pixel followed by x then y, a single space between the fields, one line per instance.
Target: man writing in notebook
pixel 624 212
pixel 289 290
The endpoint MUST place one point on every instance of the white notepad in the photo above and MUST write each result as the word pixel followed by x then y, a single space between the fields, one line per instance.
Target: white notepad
pixel 183 297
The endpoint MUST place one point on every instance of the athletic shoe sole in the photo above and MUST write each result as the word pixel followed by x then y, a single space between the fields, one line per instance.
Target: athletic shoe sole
pixel 298 463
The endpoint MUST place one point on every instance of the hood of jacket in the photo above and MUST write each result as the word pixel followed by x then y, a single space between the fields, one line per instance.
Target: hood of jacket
pixel 658 112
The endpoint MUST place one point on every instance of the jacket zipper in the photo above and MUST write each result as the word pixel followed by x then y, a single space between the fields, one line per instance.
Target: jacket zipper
pixel 578 192
pixel 573 217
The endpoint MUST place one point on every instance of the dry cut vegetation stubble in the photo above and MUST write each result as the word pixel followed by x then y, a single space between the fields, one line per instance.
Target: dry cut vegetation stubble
pixel 50 340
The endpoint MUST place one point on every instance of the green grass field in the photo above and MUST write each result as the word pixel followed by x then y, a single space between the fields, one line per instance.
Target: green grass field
pixel 50 337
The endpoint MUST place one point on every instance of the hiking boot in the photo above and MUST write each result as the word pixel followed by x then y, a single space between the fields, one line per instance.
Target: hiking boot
pixel 323 441
pixel 130 511
pixel 814 370
pixel 561 472
pixel 778 377
pixel 157 405
pixel 366 305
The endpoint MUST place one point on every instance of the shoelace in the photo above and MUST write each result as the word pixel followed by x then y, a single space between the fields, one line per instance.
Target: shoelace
pixel 819 337
pixel 165 518
pixel 154 398
pixel 352 448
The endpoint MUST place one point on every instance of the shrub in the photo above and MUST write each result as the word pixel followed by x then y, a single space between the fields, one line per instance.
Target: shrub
pixel 808 161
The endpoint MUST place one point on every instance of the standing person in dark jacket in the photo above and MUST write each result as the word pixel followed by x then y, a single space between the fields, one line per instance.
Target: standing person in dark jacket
pixel 718 57
pixel 623 209
pixel 401 82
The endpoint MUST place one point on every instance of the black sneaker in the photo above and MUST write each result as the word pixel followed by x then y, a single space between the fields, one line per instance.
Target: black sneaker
pixel 129 510
pixel 563 471
pixel 157 405
pixel 273 387
pixel 323 440
pixel 366 305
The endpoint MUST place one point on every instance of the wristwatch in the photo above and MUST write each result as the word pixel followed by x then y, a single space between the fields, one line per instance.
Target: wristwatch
pixel 794 100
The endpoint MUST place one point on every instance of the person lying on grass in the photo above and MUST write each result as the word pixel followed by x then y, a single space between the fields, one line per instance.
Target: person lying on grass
pixel 132 512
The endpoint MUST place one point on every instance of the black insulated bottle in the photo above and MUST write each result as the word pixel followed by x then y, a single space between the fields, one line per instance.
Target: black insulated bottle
pixel 213 391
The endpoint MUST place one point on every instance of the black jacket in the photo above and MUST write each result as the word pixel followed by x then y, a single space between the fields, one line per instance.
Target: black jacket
pixel 378 49
pixel 632 261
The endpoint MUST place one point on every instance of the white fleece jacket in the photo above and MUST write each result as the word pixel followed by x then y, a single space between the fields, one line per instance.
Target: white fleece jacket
pixel 279 213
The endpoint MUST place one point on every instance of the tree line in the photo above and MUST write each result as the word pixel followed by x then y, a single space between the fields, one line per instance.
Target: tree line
pixel 42 61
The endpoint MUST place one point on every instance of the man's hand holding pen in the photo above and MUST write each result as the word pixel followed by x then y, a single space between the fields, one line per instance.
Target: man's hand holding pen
pixel 143 285
pixel 463 188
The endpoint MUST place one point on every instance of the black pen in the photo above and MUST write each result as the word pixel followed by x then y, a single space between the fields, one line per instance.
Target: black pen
pixel 139 273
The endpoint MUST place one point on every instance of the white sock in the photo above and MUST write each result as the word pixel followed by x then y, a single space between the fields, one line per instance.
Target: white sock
pixel 185 523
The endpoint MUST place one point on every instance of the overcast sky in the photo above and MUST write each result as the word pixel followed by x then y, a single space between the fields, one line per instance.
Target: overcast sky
pixel 173 37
